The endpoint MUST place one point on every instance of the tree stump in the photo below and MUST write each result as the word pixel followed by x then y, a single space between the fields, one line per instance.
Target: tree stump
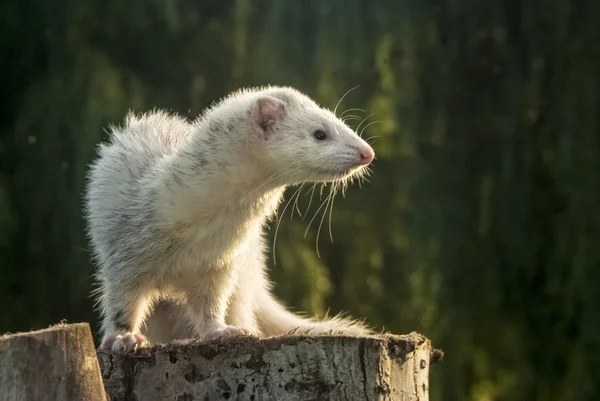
pixel 58 363
pixel 286 368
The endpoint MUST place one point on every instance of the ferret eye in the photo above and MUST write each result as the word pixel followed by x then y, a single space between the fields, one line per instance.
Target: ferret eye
pixel 319 135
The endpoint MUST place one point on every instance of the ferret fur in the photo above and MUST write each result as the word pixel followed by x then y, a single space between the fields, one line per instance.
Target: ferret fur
pixel 176 211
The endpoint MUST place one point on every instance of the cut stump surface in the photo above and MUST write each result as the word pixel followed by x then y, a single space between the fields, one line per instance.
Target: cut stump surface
pixel 286 368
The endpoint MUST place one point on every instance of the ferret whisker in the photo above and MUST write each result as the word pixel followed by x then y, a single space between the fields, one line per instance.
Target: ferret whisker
pixel 280 218
pixel 350 117
pixel 326 203
pixel 310 190
pixel 368 125
pixel 364 177
pixel 297 193
pixel 334 190
pixel 312 193
pixel 290 200
pixel 296 206
pixel 370 140
pixel 317 212
pixel 349 110
pixel 342 98
pixel 362 122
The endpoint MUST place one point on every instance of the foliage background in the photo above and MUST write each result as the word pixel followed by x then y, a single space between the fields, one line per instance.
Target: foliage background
pixel 479 228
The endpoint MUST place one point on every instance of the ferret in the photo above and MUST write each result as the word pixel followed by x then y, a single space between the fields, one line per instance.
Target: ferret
pixel 176 209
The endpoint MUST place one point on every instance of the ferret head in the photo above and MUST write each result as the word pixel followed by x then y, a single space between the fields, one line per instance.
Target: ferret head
pixel 302 142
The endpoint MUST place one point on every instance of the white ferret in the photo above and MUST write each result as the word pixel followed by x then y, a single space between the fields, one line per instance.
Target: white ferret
pixel 175 212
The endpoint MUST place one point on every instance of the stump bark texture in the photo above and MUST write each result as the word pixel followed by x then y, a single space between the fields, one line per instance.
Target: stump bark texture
pixel 58 363
pixel 279 369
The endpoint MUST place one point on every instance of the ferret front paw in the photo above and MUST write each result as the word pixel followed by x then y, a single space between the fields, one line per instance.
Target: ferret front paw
pixel 227 331
pixel 124 343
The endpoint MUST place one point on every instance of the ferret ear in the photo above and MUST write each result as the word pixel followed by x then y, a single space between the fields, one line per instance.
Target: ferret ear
pixel 269 111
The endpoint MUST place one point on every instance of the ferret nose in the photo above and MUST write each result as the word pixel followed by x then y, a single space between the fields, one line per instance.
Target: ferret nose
pixel 366 155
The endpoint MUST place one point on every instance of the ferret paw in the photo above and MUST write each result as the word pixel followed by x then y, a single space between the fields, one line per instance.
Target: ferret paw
pixel 124 343
pixel 227 331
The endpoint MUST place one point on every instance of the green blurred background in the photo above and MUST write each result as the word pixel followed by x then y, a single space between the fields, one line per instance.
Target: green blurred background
pixel 480 227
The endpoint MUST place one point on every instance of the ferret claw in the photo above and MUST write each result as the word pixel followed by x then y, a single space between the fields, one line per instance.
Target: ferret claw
pixel 125 343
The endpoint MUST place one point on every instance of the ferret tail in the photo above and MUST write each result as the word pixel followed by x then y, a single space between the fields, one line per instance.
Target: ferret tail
pixel 274 319
pixel 168 322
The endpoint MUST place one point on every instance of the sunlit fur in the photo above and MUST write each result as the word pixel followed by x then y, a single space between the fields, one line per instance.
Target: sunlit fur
pixel 176 212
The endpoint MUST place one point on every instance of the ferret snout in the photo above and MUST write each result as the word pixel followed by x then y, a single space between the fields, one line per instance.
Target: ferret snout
pixel 366 155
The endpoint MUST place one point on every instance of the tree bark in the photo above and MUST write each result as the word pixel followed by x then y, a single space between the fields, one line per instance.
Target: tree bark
pixel 279 369
pixel 58 363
